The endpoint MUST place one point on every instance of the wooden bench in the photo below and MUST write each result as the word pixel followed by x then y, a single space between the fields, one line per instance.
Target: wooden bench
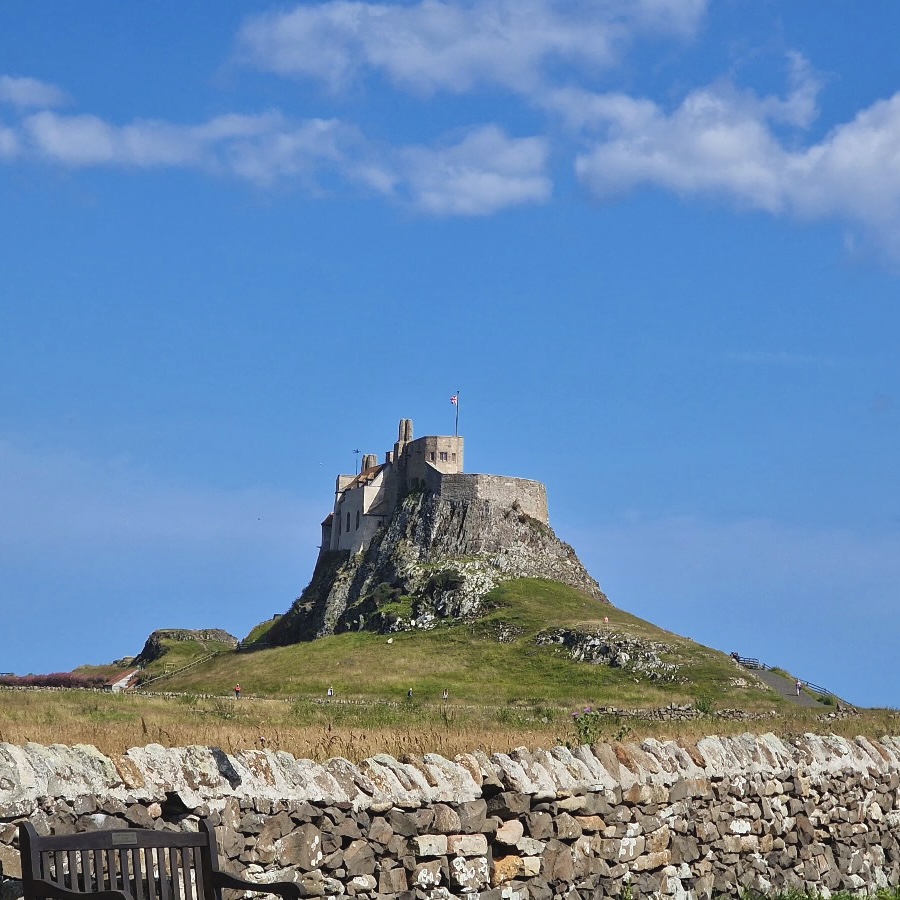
pixel 131 864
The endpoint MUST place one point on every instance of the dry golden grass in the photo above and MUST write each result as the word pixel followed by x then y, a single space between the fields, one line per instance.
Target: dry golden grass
pixel 113 723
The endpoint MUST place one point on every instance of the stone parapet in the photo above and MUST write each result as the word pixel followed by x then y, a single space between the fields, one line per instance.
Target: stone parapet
pixel 522 495
pixel 681 819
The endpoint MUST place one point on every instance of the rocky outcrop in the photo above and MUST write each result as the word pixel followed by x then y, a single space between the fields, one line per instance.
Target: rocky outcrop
pixel 608 648
pixel 155 646
pixel 680 819
pixel 435 559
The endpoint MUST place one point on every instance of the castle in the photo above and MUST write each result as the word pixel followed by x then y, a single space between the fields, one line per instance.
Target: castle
pixel 364 503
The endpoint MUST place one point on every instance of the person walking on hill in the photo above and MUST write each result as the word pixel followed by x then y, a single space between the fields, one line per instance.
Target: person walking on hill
pixel 798 685
pixel 237 692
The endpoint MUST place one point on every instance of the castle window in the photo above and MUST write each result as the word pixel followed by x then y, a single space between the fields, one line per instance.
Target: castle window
pixel 443 456
pixel 453 457
pixel 432 455
pixel 357 520
pixel 348 521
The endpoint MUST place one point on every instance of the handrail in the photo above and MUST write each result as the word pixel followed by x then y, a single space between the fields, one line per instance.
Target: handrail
pixel 749 662
pixel 190 665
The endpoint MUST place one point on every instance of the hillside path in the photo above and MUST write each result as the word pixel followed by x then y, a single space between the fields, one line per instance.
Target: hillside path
pixel 784 687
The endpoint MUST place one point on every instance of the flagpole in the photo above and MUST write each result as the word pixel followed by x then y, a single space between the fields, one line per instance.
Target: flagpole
pixel 456 425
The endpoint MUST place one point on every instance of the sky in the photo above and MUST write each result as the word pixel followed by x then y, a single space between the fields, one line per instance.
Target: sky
pixel 654 244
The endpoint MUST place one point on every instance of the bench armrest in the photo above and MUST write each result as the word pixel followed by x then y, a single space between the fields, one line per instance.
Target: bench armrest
pixel 286 889
pixel 40 887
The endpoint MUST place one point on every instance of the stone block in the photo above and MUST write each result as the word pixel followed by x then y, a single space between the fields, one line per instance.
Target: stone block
pixel 302 848
pixel 508 804
pixel 379 830
pixel 642 794
pixel 509 833
pixel 531 866
pixel 361 884
pixel 566 828
pixel 590 824
pixel 558 864
pixel 446 819
pixel 429 845
pixel 467 844
pixel 10 862
pixel 472 815
pixel 409 823
pixel 311 884
pixel 427 875
pixel 658 840
pixel 651 861
pixel 392 881
pixel 138 815
pixel 506 868
pixel 359 859
pixel 540 825
pixel 468 874
pixel 684 849
pixel 530 847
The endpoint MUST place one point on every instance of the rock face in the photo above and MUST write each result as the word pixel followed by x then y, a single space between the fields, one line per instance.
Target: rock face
pixel 436 558
pixel 719 816
pixel 606 647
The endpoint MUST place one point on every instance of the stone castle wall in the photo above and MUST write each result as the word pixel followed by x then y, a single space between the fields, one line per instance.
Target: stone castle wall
pixel 662 819
pixel 529 497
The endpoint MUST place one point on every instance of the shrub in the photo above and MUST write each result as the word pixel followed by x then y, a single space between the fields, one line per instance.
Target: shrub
pixel 592 726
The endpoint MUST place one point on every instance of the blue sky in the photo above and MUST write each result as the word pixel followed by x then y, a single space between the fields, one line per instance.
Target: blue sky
pixel 655 244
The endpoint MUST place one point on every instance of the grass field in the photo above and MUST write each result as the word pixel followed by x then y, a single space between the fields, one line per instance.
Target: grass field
pixel 502 695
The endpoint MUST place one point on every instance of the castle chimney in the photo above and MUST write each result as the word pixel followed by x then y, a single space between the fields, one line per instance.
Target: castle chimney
pixel 370 460
pixel 404 436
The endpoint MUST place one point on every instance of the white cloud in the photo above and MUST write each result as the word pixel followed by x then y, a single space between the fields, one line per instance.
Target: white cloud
pixel 719 141
pixel 9 143
pixel 29 92
pixel 484 172
pixel 261 148
pixel 478 174
pixel 437 45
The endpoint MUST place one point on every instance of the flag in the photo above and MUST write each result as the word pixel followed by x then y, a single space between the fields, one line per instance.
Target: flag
pixel 455 399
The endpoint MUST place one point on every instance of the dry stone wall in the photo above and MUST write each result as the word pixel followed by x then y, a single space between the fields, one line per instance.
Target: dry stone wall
pixel 661 819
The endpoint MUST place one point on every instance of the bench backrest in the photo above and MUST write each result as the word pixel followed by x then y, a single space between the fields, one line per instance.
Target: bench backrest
pixel 150 865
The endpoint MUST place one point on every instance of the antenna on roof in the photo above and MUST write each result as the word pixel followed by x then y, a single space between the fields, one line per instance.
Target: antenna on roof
pixel 357 461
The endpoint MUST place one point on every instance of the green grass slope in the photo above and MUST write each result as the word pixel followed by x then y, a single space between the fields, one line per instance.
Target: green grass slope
pixel 479 669
pixel 176 654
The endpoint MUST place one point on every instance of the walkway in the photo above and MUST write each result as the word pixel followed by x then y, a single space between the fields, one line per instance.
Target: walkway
pixel 786 688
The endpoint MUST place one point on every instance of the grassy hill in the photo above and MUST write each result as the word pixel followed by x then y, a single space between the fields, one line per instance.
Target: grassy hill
pixel 506 689
pixel 477 667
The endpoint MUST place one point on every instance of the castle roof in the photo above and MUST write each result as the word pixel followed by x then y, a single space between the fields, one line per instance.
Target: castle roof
pixel 366 477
